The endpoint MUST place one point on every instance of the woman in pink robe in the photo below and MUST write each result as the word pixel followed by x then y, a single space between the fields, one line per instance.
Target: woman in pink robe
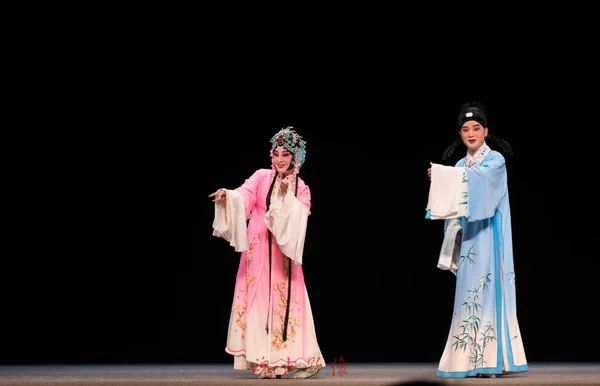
pixel 271 328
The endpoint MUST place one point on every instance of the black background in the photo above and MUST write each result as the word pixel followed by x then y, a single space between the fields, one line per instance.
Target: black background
pixel 109 255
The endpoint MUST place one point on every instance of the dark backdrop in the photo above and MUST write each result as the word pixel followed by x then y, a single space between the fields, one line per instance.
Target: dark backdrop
pixel 109 255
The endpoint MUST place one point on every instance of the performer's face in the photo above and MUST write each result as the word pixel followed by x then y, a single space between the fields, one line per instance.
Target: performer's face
pixel 473 135
pixel 282 159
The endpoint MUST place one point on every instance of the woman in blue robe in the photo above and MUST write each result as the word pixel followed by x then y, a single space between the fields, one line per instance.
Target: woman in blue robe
pixel 472 199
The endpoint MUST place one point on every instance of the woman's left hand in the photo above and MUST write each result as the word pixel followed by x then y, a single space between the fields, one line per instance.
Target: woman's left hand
pixel 458 239
pixel 283 187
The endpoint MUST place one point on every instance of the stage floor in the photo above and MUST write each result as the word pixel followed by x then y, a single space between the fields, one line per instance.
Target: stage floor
pixel 223 374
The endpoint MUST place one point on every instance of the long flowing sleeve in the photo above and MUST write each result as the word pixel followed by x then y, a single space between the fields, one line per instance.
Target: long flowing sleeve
pixel 449 254
pixel 287 219
pixel 448 193
pixel 230 221
pixel 249 190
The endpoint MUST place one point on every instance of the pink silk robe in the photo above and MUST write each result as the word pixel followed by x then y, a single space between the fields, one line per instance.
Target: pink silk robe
pixel 258 314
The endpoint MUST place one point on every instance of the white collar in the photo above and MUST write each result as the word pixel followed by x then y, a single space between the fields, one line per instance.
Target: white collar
pixel 477 158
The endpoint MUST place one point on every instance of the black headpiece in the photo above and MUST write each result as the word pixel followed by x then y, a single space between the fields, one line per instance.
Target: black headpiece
pixel 472 111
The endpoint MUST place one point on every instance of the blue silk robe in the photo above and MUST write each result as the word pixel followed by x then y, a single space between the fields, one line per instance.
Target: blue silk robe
pixel 484 335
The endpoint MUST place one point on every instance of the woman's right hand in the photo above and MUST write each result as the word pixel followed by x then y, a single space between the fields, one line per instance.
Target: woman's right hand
pixel 429 171
pixel 220 197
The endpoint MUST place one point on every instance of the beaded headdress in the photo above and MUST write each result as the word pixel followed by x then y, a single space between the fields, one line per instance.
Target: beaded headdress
pixel 292 142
